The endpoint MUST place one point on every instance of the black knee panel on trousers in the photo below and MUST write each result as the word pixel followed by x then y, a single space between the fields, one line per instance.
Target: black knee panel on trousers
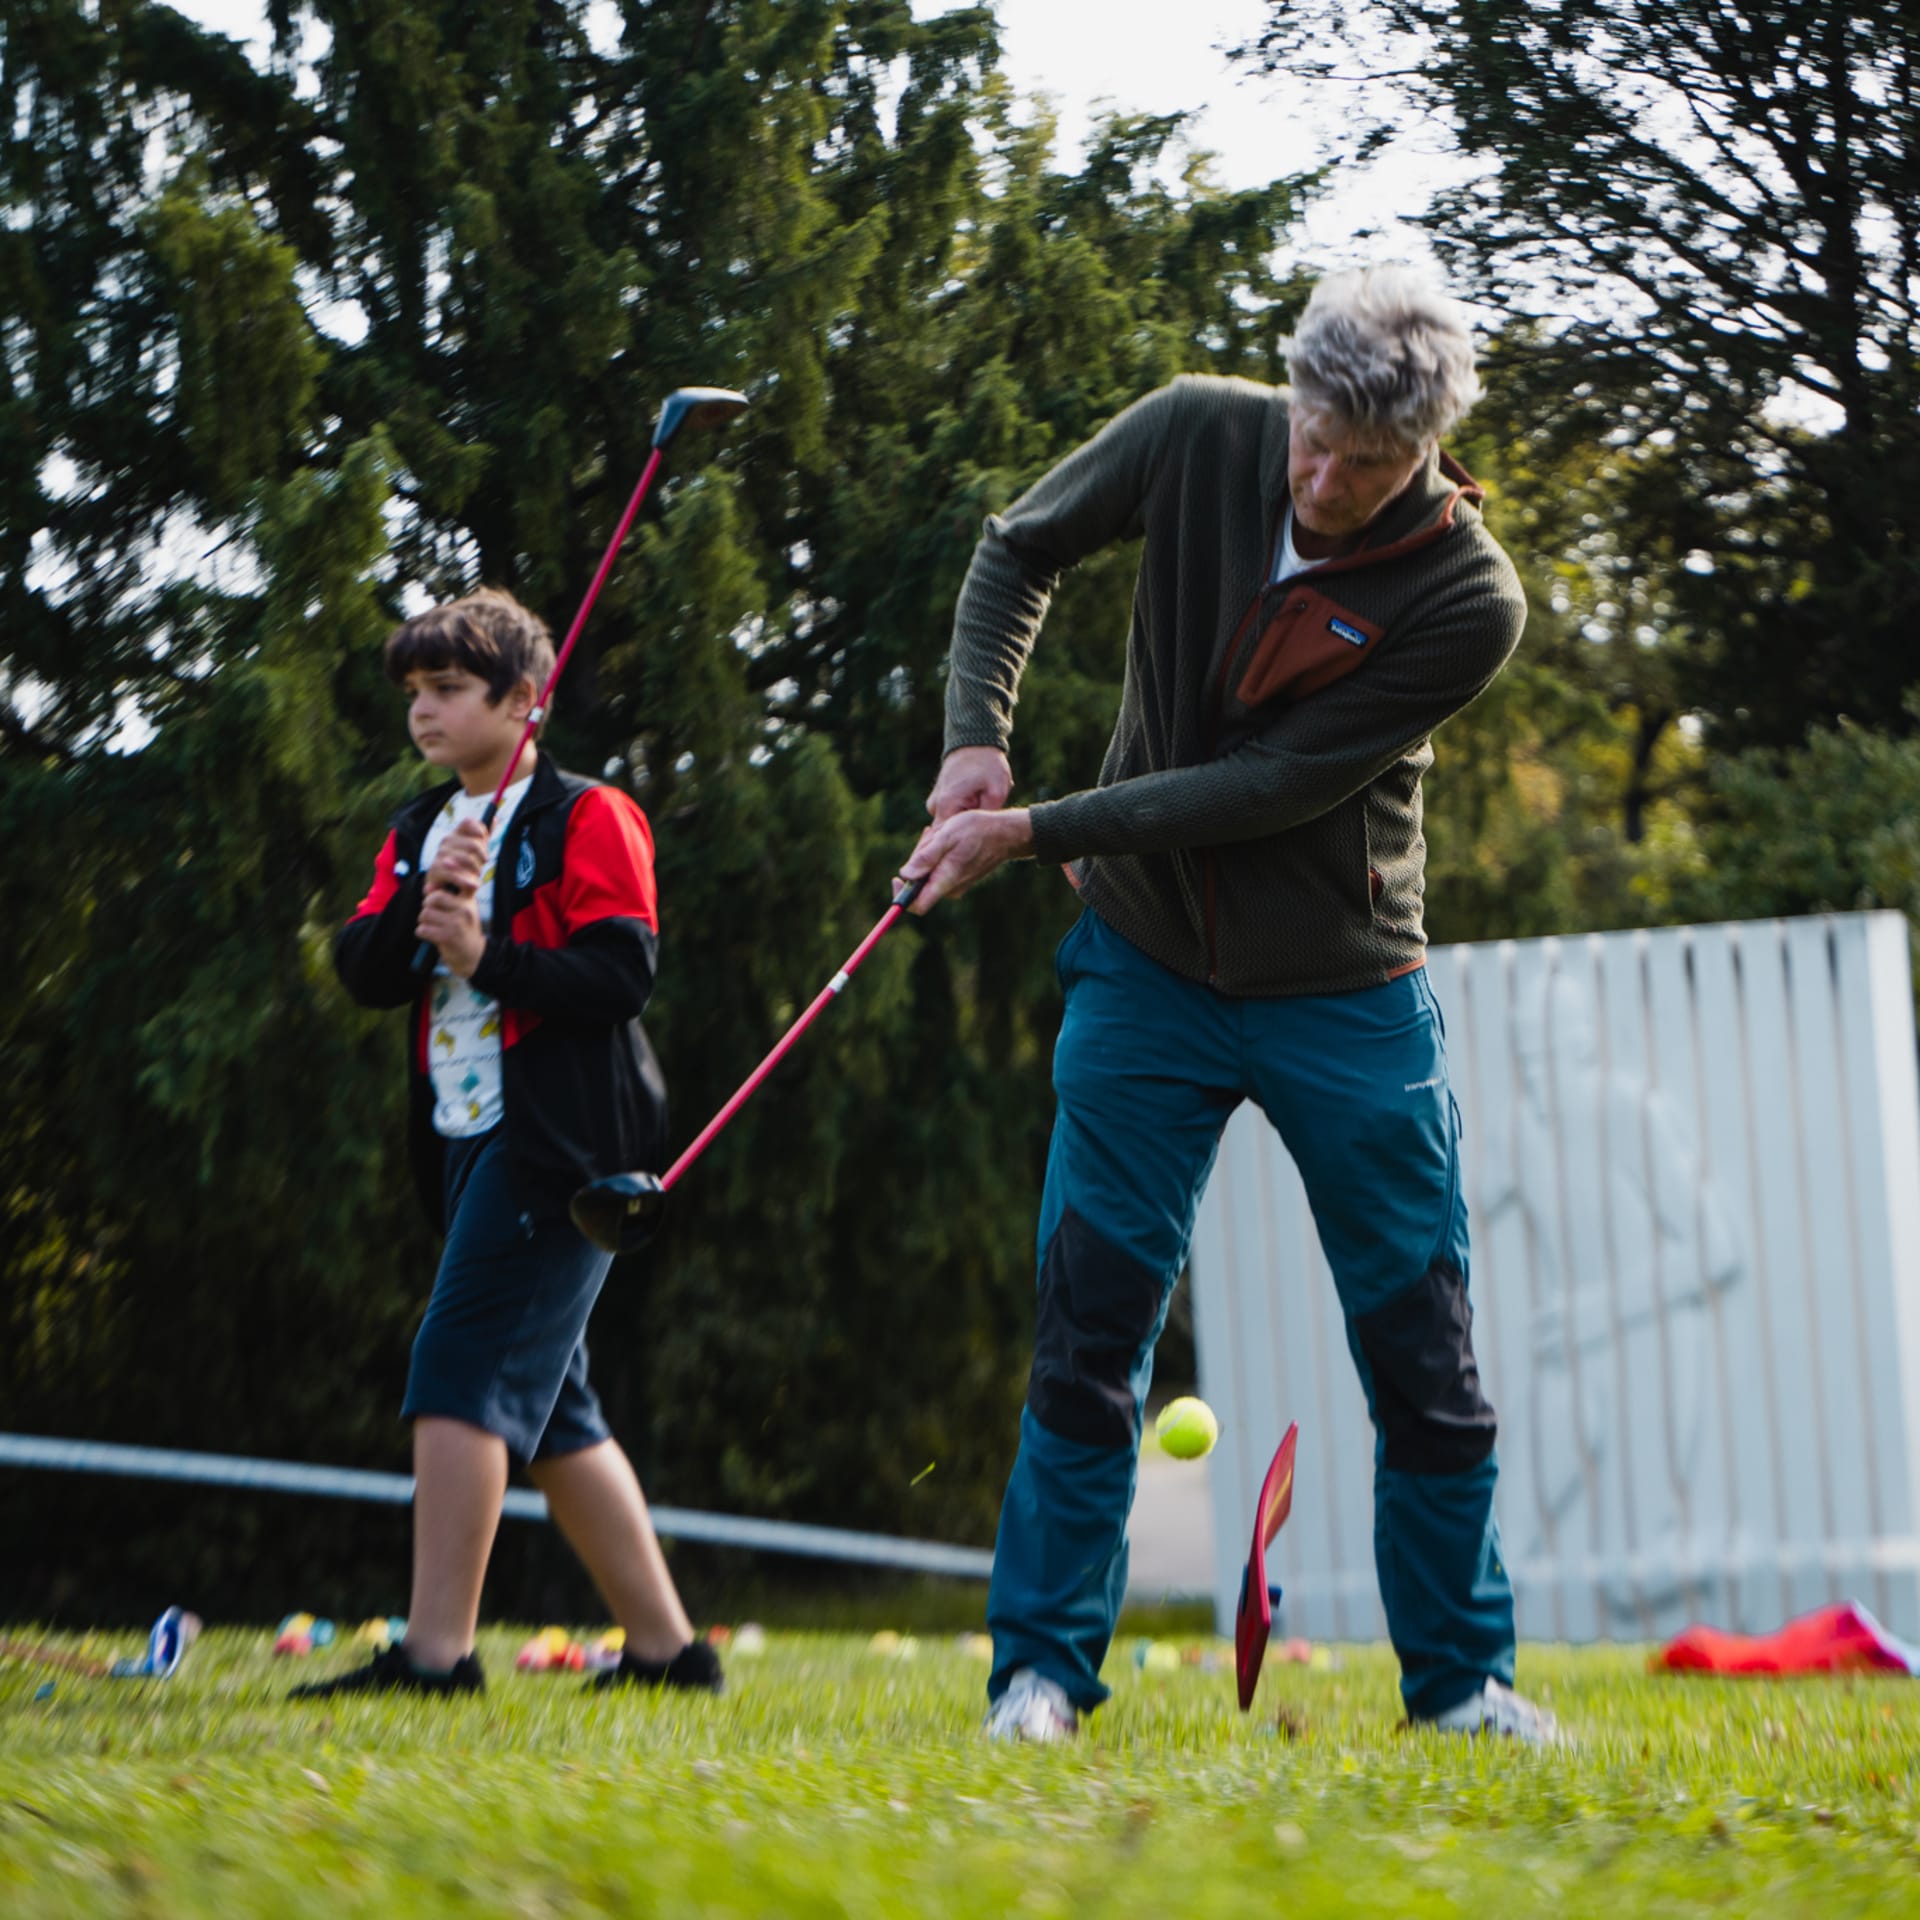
pixel 1426 1384
pixel 1098 1308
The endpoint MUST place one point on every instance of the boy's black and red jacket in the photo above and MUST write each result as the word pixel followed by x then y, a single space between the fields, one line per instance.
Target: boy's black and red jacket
pixel 571 962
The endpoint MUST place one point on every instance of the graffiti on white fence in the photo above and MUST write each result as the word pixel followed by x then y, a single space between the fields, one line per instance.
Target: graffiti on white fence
pixel 1692 1163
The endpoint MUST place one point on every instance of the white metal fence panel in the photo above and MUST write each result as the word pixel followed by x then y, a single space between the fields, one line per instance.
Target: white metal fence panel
pixel 1692 1164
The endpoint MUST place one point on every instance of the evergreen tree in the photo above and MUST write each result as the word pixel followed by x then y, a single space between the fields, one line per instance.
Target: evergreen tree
pixel 1714 211
pixel 279 359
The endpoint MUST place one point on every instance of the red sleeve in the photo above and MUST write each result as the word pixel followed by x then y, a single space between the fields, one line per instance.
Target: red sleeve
pixel 608 869
pixel 386 883
pixel 373 951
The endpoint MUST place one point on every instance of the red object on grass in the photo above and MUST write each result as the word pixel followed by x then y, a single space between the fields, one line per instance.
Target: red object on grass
pixel 1839 1639
pixel 45 1656
pixel 1254 1619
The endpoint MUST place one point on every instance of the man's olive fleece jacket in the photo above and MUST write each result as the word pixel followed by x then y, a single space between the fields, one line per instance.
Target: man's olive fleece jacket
pixel 1257 819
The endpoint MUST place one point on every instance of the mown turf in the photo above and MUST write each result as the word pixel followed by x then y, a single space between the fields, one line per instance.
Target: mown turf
pixel 830 1781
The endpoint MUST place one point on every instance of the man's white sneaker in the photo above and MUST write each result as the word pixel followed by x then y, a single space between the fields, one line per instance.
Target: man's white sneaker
pixel 1498 1709
pixel 1033 1708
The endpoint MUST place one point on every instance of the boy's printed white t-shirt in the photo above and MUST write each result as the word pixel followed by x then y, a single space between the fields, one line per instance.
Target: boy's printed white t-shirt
pixel 463 1040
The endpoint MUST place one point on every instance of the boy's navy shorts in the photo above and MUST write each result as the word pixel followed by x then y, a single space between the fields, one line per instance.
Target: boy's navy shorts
pixel 503 1345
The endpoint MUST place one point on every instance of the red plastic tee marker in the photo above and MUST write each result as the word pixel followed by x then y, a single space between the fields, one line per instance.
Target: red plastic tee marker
pixel 1254 1619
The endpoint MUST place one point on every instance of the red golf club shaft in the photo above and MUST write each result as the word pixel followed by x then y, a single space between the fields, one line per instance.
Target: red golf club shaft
pixel 539 712
pixel 424 955
pixel 830 991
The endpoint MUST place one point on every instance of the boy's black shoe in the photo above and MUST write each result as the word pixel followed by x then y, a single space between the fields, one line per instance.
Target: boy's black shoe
pixel 696 1667
pixel 393 1672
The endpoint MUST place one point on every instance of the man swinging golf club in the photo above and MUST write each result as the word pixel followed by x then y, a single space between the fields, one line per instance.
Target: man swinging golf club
pixel 1317 593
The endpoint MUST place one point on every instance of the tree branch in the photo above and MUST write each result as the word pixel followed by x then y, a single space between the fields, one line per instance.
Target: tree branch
pixel 19 734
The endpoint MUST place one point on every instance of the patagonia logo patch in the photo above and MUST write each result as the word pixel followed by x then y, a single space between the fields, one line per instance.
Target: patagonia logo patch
pixel 523 867
pixel 1347 632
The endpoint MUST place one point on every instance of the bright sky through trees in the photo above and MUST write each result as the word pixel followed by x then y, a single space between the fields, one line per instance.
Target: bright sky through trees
pixel 1141 56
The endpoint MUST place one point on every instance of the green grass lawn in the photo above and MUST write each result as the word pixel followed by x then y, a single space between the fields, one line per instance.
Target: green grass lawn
pixel 831 1781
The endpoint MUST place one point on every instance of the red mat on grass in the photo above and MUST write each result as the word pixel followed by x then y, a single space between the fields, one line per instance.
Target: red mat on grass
pixel 1841 1639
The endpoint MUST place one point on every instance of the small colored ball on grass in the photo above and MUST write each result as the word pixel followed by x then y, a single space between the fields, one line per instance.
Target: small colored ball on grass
pixel 1186 1428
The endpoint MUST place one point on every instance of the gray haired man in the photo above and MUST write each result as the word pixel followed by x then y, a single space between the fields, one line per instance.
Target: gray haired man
pixel 1317 593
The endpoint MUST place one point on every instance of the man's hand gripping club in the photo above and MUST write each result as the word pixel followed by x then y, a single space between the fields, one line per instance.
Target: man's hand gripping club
pixel 974 831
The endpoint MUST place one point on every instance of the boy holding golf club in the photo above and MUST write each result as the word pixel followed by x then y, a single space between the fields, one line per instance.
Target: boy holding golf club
pixel 529 1074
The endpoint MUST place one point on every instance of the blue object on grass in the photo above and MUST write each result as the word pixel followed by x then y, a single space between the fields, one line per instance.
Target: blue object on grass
pixel 166 1647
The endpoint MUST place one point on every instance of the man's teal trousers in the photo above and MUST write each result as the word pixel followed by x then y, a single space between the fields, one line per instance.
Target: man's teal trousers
pixel 1147 1070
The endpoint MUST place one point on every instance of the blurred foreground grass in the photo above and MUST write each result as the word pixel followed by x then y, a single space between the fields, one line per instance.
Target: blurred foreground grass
pixel 832 1781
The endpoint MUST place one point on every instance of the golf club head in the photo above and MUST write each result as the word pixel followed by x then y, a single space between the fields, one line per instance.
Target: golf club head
pixel 697 407
pixel 619 1214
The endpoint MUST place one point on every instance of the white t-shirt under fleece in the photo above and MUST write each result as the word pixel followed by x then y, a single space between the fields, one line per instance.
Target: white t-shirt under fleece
pixel 1286 556
pixel 463 1045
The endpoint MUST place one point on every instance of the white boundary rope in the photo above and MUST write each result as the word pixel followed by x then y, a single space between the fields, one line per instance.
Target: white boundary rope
pixel 396 1489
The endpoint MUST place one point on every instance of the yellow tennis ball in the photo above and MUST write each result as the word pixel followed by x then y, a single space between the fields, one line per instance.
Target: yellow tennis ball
pixel 1186 1428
